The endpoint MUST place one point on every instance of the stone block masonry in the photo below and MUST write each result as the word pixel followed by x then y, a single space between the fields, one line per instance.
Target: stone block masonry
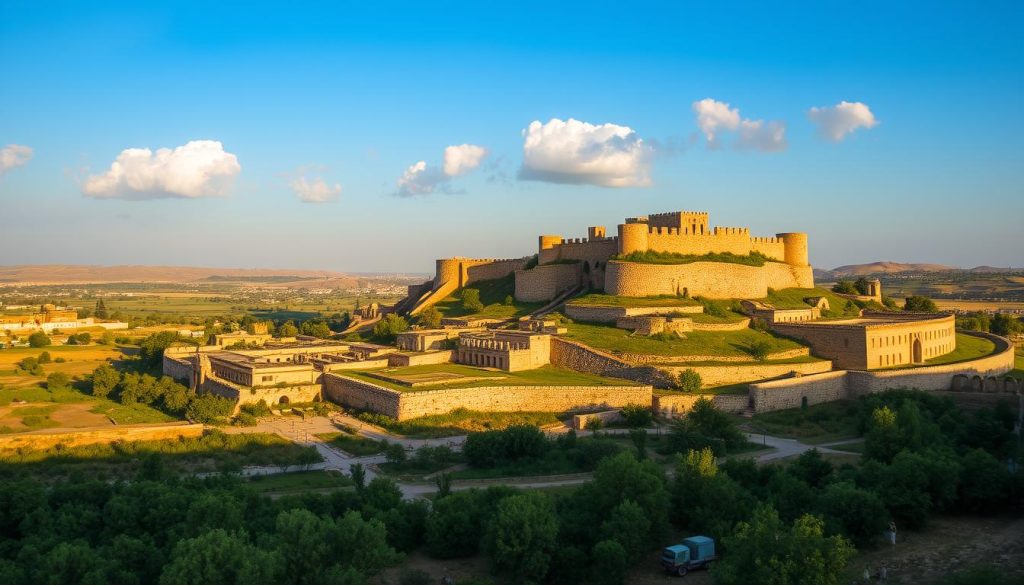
pixel 611 314
pixel 713 280
pixel 407 405
pixel 677 405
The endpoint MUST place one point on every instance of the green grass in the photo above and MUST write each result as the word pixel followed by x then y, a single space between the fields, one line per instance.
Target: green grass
pixel 459 422
pixel 617 301
pixel 300 481
pixel 543 376
pixel 729 317
pixel 710 343
pixel 651 257
pixel 821 423
pixel 1018 364
pixel 492 294
pixel 793 298
pixel 352 444
pixel 968 347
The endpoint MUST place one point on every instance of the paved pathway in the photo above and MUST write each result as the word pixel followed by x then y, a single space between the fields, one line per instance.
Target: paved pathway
pixel 304 431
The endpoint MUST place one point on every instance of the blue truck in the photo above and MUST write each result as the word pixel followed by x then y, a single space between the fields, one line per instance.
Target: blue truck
pixel 695 552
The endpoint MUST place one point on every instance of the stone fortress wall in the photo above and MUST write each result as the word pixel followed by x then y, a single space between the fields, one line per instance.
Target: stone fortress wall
pixel 545 282
pixel 715 280
pixel 412 404
pixel 452 274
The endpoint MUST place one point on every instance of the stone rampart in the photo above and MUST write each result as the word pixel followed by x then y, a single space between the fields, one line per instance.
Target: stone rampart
pixel 582 358
pixel 381 362
pixel 396 360
pixel 406 405
pixel 177 367
pixel 734 326
pixel 545 282
pixel 644 358
pixel 791 392
pixel 716 280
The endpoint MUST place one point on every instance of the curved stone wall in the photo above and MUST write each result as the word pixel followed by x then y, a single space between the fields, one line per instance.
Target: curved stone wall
pixel 716 280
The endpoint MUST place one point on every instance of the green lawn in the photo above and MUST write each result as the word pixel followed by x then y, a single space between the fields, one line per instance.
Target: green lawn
pixel 821 423
pixel 711 343
pixel 617 301
pixel 793 298
pixel 968 347
pixel 543 376
pixel 1018 363
pixel 352 444
pixel 300 481
pixel 729 317
pixel 493 294
pixel 652 257
pixel 459 422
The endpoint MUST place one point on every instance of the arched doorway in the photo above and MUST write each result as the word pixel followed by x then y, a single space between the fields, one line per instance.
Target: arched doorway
pixel 282 400
pixel 916 351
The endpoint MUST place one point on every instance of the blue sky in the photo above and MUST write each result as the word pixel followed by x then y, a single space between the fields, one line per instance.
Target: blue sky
pixel 354 94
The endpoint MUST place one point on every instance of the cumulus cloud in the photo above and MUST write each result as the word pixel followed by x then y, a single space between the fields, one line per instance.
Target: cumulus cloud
pixel 424 179
pixel 714 115
pixel 420 179
pixel 461 159
pixel 14 155
pixel 835 122
pixel 200 168
pixel 715 118
pixel 316 190
pixel 576 152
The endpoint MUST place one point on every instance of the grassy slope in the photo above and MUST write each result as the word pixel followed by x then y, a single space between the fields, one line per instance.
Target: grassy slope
pixel 492 294
pixel 711 343
pixel 1018 371
pixel 352 444
pixel 461 421
pixel 543 376
pixel 816 424
pixel 793 298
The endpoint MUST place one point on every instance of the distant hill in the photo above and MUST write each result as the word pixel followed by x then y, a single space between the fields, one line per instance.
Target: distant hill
pixel 857 270
pixel 83 274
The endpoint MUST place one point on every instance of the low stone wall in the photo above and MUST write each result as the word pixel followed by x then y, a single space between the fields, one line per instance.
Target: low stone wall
pixel 734 374
pixel 582 421
pixel 676 405
pixel 791 392
pixel 737 326
pixel 579 357
pixel 716 280
pixel 76 437
pixel 643 358
pixel 610 314
pixel 406 405
pixel 360 365
pixel 397 360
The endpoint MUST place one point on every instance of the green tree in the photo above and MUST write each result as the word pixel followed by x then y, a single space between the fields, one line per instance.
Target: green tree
pixel 862 286
pixel 208 408
pixel 58 381
pixel 151 349
pixel 44 358
pixel 522 536
pixel 101 310
pixel 689 381
pixel 764 550
pixel 218 556
pixel 845 287
pixel 288 329
pixel 1005 325
pixel 104 379
pixel 429 318
pixel 855 512
pixel 38 339
pixel 609 562
pixel 389 327
pixel 629 526
pixel 920 304
pixel 637 415
pixel 455 525
pixel 471 300
pixel 316 329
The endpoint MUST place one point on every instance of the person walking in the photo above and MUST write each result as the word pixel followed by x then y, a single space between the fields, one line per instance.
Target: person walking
pixel 892 533
pixel 867 574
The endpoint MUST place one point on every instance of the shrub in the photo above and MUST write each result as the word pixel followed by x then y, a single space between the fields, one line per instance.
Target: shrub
pixel 689 380
pixel 637 415
pixel 471 300
pixel 59 360
pixel 104 379
pixel 845 287
pixel 389 327
pixel 920 304
pixel 429 318
pixel 31 366
pixel 44 358
pixel 759 350
pixel 256 409
pixel 38 339
pixel 209 408
pixel 509 301
pixel 58 381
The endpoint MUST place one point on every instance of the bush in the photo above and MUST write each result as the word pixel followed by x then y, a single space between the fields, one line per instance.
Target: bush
pixel 59 360
pixel 38 339
pixel 689 380
pixel 429 318
pixel 759 350
pixel 471 300
pixel 209 408
pixel 104 379
pixel 845 287
pixel 637 415
pixel 44 358
pixel 389 327
pixel 30 365
pixel 58 381
pixel 256 409
pixel 920 304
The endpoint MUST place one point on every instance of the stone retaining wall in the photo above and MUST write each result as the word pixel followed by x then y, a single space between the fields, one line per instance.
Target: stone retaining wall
pixel 643 358
pixel 716 280
pixel 544 283
pixel 676 405
pixel 734 374
pixel 610 313
pixel 406 405
pixel 737 326
pixel 791 392
pixel 582 358
pixel 76 437
pixel 582 421
pixel 396 360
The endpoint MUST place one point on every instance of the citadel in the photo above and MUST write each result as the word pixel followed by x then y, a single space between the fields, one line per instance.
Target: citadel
pixel 588 325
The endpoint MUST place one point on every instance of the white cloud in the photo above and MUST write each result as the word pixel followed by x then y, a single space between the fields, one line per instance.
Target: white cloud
pixel 715 118
pixel 315 191
pixel 420 179
pixel 572 151
pixel 713 115
pixel 835 122
pixel 461 159
pixel 200 168
pixel 14 155
pixel 761 135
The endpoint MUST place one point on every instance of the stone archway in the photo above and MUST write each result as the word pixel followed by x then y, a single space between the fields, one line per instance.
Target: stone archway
pixel 915 352
pixel 282 400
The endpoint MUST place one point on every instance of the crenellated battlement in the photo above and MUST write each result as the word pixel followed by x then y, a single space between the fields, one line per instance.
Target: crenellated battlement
pixel 731 231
